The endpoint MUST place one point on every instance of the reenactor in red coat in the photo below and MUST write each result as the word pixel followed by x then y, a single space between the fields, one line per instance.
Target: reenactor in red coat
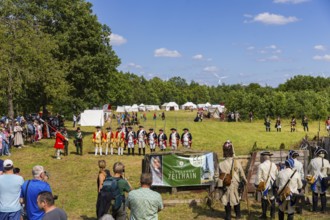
pixel 98 138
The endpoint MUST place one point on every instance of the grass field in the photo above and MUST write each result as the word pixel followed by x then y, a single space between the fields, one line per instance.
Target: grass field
pixel 73 178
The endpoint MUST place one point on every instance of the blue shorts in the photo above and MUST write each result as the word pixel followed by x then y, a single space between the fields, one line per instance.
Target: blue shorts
pixel 10 215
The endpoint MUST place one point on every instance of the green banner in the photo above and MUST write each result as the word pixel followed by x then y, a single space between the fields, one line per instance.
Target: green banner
pixel 174 170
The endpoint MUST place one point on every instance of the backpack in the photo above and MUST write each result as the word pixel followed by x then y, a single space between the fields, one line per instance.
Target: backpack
pixel 111 190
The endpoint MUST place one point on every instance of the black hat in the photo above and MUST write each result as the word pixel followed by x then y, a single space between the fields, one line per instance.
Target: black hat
pixel 119 128
pixel 141 126
pixel 266 153
pixel 320 151
pixel 151 129
pixel 173 129
pixel 78 128
pixel 228 150
pixel 108 128
pixel 98 127
pixel 161 129
pixel 129 127
pixel 293 153
pixel 185 129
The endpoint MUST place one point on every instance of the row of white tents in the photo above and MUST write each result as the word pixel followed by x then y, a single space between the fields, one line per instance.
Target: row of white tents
pixel 136 108
pixel 96 117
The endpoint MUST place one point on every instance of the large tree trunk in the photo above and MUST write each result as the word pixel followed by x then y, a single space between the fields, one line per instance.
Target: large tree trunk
pixel 10 95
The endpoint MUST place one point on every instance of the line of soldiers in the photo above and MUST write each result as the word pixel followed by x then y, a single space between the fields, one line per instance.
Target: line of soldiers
pixel 125 137
pixel 284 185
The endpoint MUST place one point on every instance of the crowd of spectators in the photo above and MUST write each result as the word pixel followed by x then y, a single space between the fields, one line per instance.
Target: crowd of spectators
pixel 31 199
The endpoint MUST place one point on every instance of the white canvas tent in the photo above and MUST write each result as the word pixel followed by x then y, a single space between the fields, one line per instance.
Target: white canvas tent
pixel 214 112
pixel 92 118
pixel 171 106
pixel 134 108
pixel 120 109
pixel 164 105
pixel 152 108
pixel 189 105
pixel 142 107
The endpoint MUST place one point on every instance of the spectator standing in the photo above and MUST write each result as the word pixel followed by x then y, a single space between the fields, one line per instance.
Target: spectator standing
pixel 305 123
pixel 18 135
pixel 103 173
pixel 46 203
pixel 5 142
pixel 144 203
pixel 74 118
pixel 31 190
pixel 124 186
pixel 10 190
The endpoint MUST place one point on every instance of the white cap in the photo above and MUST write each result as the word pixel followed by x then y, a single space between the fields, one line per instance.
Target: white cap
pixel 8 163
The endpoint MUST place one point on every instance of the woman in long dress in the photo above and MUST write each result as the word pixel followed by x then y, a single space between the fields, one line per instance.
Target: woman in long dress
pixel 18 135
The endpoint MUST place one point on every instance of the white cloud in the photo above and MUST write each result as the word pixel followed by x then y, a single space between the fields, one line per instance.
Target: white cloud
pixel 133 65
pixel 320 47
pixel 272 19
pixel 290 1
pixel 271 58
pixel 210 69
pixel 271 47
pixel 278 51
pixel 117 40
pixel 325 57
pixel 198 57
pixel 163 52
pixel 250 48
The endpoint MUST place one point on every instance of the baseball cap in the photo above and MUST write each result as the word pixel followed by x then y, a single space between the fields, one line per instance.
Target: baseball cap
pixel 8 163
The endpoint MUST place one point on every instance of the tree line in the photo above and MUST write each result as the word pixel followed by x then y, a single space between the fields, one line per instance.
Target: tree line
pixel 55 55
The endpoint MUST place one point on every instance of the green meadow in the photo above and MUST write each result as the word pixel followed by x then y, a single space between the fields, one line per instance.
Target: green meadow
pixel 73 178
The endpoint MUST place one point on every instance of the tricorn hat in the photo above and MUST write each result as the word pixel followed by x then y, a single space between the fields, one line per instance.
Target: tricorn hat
pixel 98 127
pixel 185 129
pixel 141 126
pixel 108 128
pixel 289 162
pixel 78 128
pixel 173 129
pixel 161 129
pixel 151 129
pixel 266 153
pixel 129 127
pixel 320 151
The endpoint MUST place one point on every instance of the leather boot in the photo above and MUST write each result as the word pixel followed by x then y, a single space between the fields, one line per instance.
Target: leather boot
pixel 290 216
pixel 144 151
pixel 264 204
pixel 129 151
pixel 272 208
pixel 315 201
pixel 280 215
pixel 237 209
pixel 323 202
pixel 139 151
pixel 133 151
pixel 228 212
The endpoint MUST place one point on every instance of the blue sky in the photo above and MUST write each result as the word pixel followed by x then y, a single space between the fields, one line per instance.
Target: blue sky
pixel 220 41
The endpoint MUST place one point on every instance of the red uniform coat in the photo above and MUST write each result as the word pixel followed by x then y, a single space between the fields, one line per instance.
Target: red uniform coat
pixel 59 141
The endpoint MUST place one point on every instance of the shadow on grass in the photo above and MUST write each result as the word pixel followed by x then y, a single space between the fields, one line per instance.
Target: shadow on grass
pixel 201 210
pixel 84 217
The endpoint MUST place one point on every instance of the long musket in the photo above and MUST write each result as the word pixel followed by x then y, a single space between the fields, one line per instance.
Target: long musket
pixel 247 199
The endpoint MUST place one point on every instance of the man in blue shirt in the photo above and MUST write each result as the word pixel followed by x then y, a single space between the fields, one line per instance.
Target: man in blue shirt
pixel 30 191
pixel 10 189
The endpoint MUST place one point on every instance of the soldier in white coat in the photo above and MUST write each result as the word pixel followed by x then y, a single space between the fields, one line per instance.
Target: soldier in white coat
pixel 265 183
pixel 318 168
pixel 141 138
pixel 288 182
pixel 230 194
pixel 300 170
